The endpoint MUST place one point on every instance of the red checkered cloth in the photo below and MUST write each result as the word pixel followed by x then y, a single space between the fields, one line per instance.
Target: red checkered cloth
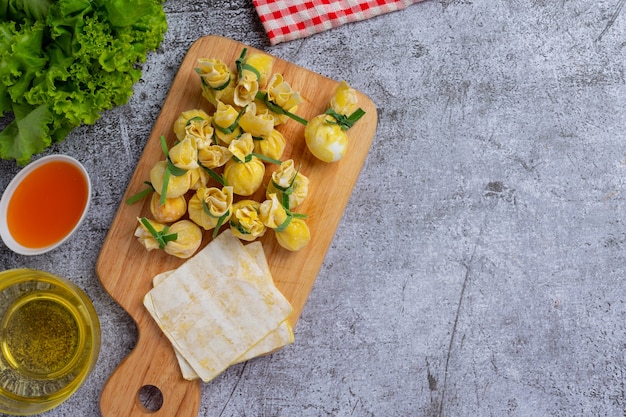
pixel 286 20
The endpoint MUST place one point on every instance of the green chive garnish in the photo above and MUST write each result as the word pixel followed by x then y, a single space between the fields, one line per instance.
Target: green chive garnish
pixel 161 237
pixel 220 219
pixel 176 171
pixel 164 147
pixel 166 180
pixel 229 129
pixel 241 65
pixel 140 195
pixel 266 158
pixel 239 228
pixel 263 96
pixel 290 217
pixel 214 175
pixel 346 122
pixel 283 226
pixel 194 119
pixel 219 224
pixel 170 170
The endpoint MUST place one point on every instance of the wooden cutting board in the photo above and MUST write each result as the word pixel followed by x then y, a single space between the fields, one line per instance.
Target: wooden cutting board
pixel 126 269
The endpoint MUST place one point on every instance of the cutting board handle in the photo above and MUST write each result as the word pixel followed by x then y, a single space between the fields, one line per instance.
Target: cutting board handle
pixel 148 382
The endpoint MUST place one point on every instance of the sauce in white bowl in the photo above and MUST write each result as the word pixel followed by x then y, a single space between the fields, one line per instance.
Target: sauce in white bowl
pixel 44 204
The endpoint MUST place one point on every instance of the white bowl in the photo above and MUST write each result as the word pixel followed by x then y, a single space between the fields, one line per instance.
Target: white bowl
pixel 5 232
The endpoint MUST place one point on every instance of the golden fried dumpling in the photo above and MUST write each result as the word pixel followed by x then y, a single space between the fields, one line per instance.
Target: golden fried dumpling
pixel 214 72
pixel 272 213
pixel 145 237
pixel 325 134
pixel 245 222
pixel 217 80
pixel 246 88
pixel 188 241
pixel 263 64
pixel 171 210
pixel 345 100
pixel 184 154
pixel 281 94
pixel 201 131
pixel 291 231
pixel 244 171
pixel 226 123
pixel 199 178
pixel 176 185
pixel 253 73
pixel 210 207
pixel 183 120
pixel 258 124
pixel 325 138
pixel 214 156
pixel 242 147
pixel 271 146
pixel 288 184
pixel 294 235
pixel 181 239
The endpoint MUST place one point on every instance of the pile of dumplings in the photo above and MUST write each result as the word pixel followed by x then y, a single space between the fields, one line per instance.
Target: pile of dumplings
pixel 206 179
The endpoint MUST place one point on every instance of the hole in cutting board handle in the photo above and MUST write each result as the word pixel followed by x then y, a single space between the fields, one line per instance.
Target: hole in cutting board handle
pixel 151 398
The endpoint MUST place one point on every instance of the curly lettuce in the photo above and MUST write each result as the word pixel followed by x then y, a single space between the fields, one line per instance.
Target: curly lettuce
pixel 64 62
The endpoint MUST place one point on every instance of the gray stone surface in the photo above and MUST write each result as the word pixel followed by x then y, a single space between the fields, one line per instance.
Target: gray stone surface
pixel 479 267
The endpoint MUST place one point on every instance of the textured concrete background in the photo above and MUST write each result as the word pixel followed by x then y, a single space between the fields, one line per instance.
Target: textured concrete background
pixel 479 267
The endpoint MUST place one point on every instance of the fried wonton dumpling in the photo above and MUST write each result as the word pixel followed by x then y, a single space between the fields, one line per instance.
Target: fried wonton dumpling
pixel 214 156
pixel 325 138
pixel 345 100
pixel 288 184
pixel 272 213
pixel 188 241
pixel 291 231
pixel 210 207
pixel 246 88
pixel 226 123
pixel 272 146
pixel 294 235
pixel 176 185
pixel 245 177
pixel 244 171
pixel 214 73
pixel 181 239
pixel 258 124
pixel 184 154
pixel 245 222
pixel 217 80
pixel 263 64
pixel 184 119
pixel 201 131
pixel 145 237
pixel 198 178
pixel 170 211
pixel 280 93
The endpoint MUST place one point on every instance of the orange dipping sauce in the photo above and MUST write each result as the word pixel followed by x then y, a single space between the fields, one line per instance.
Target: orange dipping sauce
pixel 47 204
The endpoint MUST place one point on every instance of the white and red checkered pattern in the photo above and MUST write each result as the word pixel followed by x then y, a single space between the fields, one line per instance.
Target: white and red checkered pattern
pixel 286 20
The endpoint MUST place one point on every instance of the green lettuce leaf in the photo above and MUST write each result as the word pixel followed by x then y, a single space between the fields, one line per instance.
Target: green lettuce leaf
pixel 27 134
pixel 64 62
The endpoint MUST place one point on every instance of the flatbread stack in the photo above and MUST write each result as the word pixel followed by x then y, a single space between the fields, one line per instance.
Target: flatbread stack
pixel 220 307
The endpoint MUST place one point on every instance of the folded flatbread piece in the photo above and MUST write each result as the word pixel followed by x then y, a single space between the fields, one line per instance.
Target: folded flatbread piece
pixel 220 307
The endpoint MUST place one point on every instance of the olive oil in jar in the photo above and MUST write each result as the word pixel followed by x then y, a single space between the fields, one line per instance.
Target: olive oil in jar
pixel 49 340
pixel 42 336
pixel 41 344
